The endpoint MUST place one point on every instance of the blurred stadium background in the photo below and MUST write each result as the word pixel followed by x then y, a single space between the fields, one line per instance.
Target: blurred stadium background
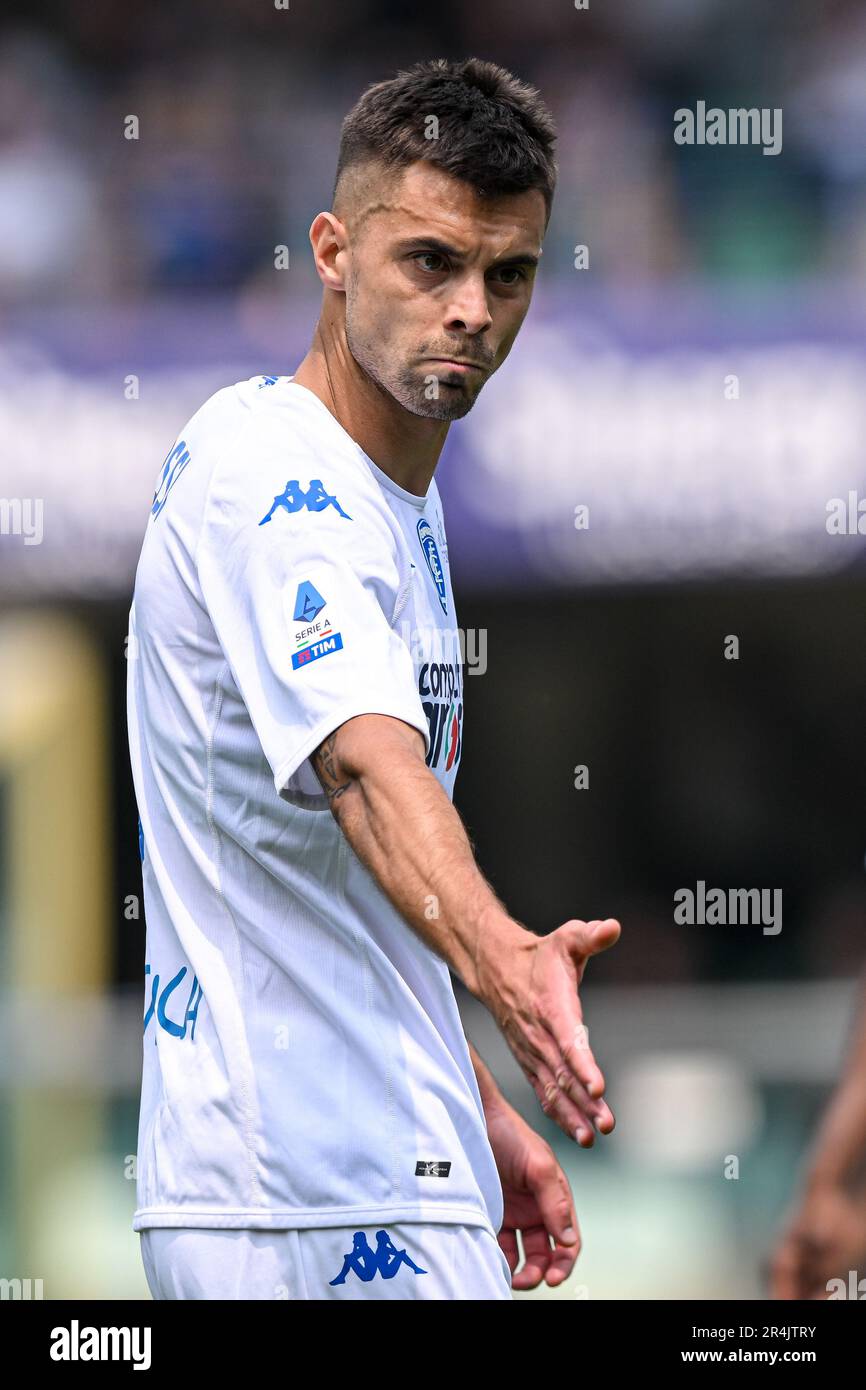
pixel 137 276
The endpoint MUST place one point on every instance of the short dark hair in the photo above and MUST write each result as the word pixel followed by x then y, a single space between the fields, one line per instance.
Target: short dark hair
pixel 494 131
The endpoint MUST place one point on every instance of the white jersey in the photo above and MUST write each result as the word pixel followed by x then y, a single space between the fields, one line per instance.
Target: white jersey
pixel 304 1059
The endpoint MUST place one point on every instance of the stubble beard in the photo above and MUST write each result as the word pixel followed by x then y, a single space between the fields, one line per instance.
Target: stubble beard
pixel 404 385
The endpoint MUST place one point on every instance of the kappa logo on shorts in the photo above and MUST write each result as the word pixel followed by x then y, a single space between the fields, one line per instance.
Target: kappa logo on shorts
pixel 294 499
pixel 386 1259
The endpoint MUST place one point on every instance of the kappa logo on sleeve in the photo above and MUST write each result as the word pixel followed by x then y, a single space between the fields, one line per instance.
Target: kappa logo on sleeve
pixel 294 499
pixel 316 637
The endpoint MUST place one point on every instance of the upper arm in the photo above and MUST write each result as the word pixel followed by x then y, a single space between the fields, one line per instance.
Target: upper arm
pixel 302 606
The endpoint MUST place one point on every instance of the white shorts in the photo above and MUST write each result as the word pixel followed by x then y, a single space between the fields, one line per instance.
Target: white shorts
pixel 400 1260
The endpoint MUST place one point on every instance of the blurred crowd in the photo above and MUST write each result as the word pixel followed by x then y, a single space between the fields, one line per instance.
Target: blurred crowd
pixel 238 106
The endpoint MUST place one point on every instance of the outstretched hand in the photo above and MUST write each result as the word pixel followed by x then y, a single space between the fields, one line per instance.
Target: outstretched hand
pixel 535 1002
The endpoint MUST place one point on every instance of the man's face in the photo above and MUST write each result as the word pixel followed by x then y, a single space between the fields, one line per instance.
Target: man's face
pixel 437 277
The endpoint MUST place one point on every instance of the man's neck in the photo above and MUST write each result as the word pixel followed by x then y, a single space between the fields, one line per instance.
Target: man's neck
pixel 403 445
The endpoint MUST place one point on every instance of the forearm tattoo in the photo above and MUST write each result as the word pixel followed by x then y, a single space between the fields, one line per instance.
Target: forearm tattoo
pixel 325 764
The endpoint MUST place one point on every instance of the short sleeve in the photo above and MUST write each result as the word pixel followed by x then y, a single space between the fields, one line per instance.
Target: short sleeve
pixel 301 578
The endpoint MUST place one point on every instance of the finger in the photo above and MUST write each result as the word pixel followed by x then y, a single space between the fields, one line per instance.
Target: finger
pixel 562 1262
pixel 571 1037
pixel 532 1044
pixel 604 1118
pixel 596 1110
pixel 538 1253
pixel 566 1099
pixel 560 1108
pixel 541 1061
pixel 564 1012
pixel 549 1187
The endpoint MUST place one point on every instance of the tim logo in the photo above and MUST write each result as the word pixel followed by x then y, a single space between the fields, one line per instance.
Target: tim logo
pixel 317 650
pixel 385 1260
pixel 176 461
pixel 431 555
pixel 294 499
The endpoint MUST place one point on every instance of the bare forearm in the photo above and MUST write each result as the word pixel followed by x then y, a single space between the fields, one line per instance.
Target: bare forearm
pixel 492 1098
pixel 404 829
pixel 402 826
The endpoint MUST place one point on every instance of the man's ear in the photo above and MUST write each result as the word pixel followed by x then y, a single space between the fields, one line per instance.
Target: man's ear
pixel 329 240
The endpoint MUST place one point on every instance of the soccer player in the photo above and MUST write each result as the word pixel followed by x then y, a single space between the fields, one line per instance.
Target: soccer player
pixel 314 1123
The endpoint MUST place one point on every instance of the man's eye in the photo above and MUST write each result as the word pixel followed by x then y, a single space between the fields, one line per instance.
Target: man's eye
pixel 429 256
pixel 515 270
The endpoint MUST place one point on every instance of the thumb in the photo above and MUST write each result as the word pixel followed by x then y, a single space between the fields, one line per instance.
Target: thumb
pixel 591 938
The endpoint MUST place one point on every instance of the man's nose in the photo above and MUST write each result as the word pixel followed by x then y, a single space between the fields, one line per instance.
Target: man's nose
pixel 469 311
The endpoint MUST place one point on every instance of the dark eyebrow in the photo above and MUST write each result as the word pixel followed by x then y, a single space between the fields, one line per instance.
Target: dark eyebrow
pixel 432 243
